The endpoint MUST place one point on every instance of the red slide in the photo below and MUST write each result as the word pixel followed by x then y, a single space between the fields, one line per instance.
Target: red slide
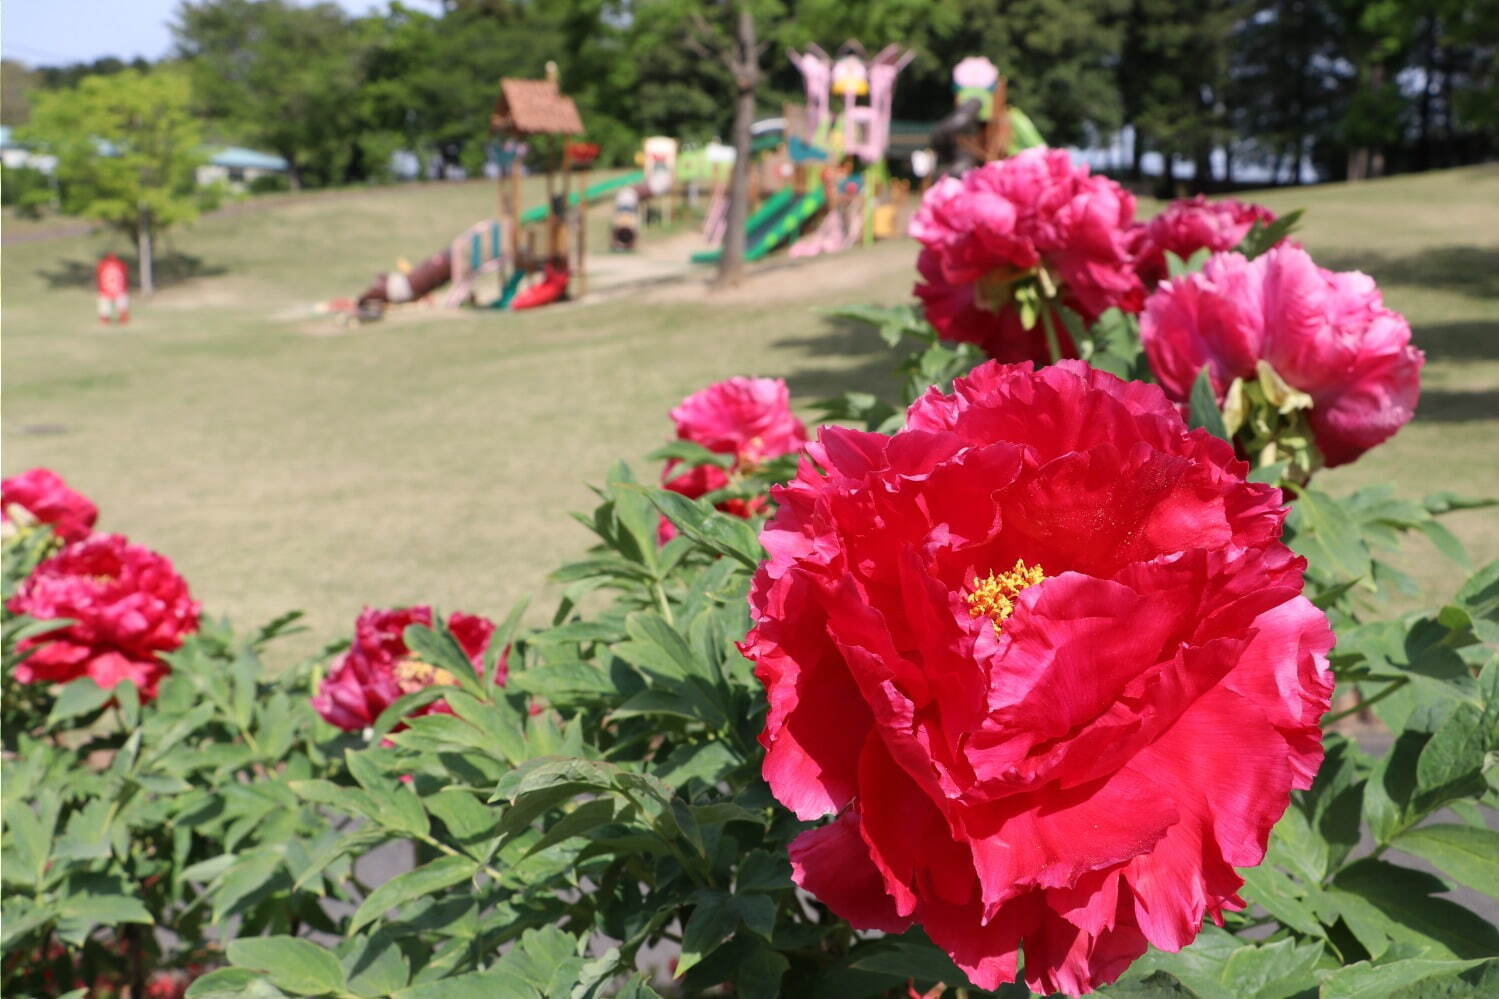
pixel 549 290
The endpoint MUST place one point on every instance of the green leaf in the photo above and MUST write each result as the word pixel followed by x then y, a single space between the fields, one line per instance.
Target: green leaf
pixel 1328 536
pixel 1176 266
pixel 718 532
pixel 691 453
pixel 232 983
pixel 250 876
pixel 1366 981
pixel 438 647
pixel 105 909
pixel 758 975
pixel 425 880
pixel 81 697
pixel 1202 406
pixel 476 985
pixel 1451 765
pixel 295 965
pixel 910 955
pixel 763 871
pixel 1281 898
pixel 376 966
pixel 1402 905
pixel 1262 237
pixel 1467 854
pixel 713 920
pixel 579 822
pixel 1271 971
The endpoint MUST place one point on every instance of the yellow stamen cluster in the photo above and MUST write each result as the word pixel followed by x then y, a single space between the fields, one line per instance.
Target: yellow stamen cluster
pixel 413 674
pixel 994 595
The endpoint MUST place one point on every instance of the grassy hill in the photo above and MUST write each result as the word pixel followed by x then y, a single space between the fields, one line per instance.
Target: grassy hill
pixel 285 462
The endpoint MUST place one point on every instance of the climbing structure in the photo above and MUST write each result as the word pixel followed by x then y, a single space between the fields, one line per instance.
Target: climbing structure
pixel 523 110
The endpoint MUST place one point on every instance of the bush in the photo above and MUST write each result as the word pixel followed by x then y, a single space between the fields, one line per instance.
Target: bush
pixel 269 183
pixel 614 782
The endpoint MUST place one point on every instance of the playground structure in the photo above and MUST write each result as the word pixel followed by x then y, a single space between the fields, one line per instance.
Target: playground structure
pixel 545 242
pixel 981 127
pixel 818 181
pixel 825 164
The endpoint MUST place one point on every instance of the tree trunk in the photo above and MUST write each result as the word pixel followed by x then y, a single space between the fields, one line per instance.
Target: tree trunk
pixel 745 66
pixel 143 249
pixel 1137 155
pixel 1202 167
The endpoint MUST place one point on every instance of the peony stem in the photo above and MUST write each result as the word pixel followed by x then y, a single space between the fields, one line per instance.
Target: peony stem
pixel 1053 345
pixel 1338 716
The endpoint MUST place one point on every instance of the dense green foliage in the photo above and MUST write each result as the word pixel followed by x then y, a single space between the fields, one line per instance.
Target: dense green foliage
pixel 1357 88
pixel 605 800
pixel 127 148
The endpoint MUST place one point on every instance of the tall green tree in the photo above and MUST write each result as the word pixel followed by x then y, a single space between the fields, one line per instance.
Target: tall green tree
pixel 127 149
pixel 279 76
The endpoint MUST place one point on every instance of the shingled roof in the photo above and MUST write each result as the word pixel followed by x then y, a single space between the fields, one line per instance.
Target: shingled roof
pixel 534 107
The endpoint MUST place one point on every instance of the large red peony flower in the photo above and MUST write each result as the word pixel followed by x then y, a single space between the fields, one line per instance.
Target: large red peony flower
pixel 379 669
pixel 1327 335
pixel 749 418
pixel 1188 225
pixel 44 494
pixel 127 604
pixel 1004 224
pixel 1044 656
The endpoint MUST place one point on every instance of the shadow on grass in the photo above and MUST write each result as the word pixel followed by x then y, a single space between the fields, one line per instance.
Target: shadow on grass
pixel 1471 340
pixel 872 367
pixel 1467 270
pixel 1440 406
pixel 168 269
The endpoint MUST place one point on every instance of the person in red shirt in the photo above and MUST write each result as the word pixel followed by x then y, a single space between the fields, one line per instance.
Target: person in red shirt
pixel 113 281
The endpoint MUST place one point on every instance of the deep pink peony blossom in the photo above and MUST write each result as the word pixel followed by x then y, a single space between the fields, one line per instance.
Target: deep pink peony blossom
pixel 379 669
pixel 43 494
pixel 1326 334
pixel 1044 656
pixel 993 227
pixel 1188 225
pixel 127 605
pixel 749 418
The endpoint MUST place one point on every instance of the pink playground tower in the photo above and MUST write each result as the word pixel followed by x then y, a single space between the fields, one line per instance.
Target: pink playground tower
pixel 866 127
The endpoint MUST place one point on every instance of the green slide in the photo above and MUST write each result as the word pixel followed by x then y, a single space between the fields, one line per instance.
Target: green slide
pixel 758 226
pixel 789 224
pixel 538 213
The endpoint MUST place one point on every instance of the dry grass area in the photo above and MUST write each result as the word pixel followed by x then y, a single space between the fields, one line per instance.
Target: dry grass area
pixel 433 457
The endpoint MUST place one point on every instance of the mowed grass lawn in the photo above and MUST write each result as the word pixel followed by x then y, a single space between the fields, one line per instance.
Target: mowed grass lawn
pixel 283 463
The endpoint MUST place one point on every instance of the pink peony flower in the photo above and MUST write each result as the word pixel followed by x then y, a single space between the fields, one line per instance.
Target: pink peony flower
pixel 1325 334
pixel 43 494
pixel 1188 225
pixel 749 418
pixel 986 234
pixel 379 669
pixel 1044 656
pixel 127 605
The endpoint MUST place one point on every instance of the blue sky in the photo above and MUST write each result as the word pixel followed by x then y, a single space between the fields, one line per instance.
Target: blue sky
pixel 48 32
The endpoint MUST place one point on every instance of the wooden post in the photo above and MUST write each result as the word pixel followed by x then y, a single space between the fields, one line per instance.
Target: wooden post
pixel 582 271
pixel 514 214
